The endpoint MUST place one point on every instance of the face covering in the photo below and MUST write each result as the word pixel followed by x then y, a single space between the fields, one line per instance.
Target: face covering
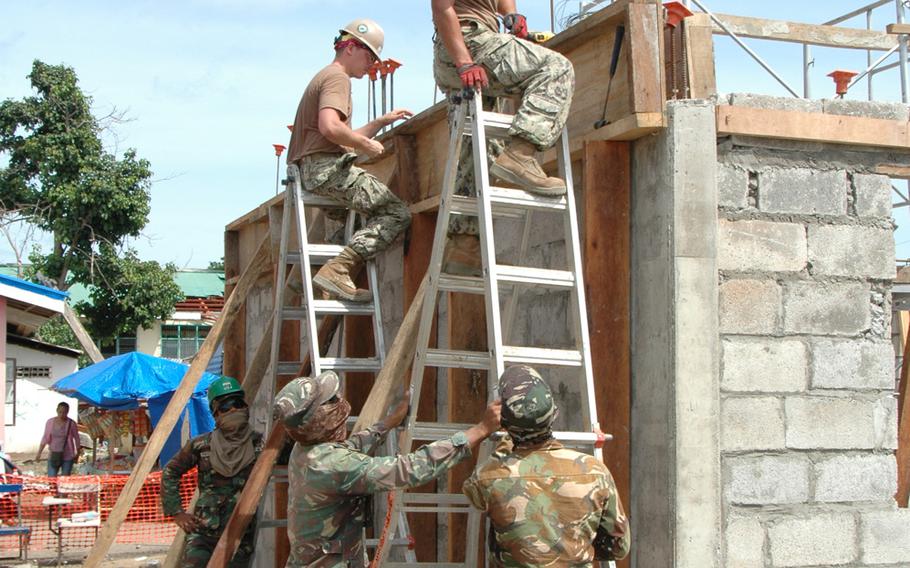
pixel 328 424
pixel 232 443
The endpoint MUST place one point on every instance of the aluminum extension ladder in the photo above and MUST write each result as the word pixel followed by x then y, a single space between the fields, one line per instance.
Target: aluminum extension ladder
pixel 471 120
pixel 295 202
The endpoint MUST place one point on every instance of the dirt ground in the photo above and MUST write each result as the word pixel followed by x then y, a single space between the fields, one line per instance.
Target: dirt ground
pixel 120 556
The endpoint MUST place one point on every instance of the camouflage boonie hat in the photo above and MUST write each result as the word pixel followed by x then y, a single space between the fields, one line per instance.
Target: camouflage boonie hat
pixel 299 399
pixel 527 403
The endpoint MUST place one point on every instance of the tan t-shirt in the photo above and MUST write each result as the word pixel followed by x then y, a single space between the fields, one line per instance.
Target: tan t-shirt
pixel 480 10
pixel 330 88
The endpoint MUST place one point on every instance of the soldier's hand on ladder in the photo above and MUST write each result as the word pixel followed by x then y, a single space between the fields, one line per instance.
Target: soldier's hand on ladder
pixel 516 24
pixel 398 413
pixel 473 76
pixel 397 114
pixel 488 424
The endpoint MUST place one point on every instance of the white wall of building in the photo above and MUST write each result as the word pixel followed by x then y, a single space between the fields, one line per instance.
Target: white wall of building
pixel 35 402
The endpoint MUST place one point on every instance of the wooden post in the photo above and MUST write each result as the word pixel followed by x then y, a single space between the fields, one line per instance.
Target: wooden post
pixel 85 340
pixel 607 273
pixel 903 432
pixel 174 408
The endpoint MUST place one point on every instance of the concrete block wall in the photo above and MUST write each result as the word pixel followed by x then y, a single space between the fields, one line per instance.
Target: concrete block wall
pixel 805 257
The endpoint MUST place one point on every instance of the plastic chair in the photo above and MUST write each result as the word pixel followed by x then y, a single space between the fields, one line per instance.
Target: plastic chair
pixel 23 532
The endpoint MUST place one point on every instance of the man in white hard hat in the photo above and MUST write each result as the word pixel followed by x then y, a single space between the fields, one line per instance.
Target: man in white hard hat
pixel 470 52
pixel 324 146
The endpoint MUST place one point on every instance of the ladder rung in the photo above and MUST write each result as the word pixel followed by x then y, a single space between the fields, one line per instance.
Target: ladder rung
pixel 509 202
pixel 338 307
pixel 462 284
pixel 480 360
pixel 432 431
pixel 497 124
pixel 318 253
pixel 431 499
pixel 433 564
pixel 314 200
pixel 271 523
pixel 535 276
pixel 343 364
pixel 372 542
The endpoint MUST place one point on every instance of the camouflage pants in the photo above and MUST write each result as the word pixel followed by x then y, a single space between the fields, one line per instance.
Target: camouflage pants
pixel 199 548
pixel 544 79
pixel 335 176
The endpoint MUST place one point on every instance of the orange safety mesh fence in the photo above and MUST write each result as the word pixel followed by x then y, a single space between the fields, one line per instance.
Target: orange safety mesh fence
pixel 43 503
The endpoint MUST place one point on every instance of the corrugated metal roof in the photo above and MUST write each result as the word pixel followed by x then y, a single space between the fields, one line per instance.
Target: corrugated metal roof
pixel 194 283
pixel 200 283
pixel 32 287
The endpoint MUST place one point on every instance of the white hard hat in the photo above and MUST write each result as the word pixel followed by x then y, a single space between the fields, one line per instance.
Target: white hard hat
pixel 368 32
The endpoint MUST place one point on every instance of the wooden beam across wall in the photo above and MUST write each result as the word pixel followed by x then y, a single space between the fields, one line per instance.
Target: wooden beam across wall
pixel 815 127
pixel 813 34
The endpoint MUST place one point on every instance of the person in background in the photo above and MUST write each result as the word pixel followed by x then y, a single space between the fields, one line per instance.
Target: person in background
pixel 61 436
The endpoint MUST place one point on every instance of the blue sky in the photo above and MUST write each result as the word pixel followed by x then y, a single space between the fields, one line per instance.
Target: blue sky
pixel 210 85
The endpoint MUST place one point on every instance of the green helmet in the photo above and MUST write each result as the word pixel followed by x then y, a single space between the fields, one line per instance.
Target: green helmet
pixel 528 409
pixel 223 387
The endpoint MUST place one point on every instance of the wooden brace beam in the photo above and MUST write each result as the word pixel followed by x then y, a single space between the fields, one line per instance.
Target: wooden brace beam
pixel 814 34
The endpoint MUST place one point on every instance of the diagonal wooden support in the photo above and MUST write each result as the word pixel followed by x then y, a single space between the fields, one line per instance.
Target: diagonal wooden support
pixel 388 382
pixel 85 340
pixel 232 307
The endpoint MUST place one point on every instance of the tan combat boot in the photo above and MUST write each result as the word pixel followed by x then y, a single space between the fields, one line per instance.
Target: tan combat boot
pixel 335 277
pixel 517 165
pixel 462 255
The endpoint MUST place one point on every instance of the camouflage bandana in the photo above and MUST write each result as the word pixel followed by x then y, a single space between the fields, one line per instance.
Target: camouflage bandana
pixel 328 424
pixel 528 410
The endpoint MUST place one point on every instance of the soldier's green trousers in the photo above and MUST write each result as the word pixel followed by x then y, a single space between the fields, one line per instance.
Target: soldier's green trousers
pixel 542 78
pixel 336 176
pixel 199 548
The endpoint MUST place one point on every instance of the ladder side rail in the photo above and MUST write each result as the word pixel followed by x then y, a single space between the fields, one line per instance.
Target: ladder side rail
pixel 378 334
pixel 306 275
pixel 428 310
pixel 278 297
pixel 573 250
pixel 487 245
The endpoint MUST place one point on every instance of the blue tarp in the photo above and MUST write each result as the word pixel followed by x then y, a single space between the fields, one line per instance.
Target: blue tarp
pixel 119 383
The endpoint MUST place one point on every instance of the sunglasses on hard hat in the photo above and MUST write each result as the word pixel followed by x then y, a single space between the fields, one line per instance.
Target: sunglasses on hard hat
pixel 230 404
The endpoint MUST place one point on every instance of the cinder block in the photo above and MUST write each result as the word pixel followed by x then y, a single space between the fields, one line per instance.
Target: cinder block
pixel 767 480
pixel 752 246
pixel 775 103
pixel 827 539
pixel 886 423
pixel 826 308
pixel 867 109
pixel 764 365
pixel 802 190
pixel 752 423
pixel 849 250
pixel 825 423
pixel 745 543
pixel 860 365
pixel 885 537
pixel 848 478
pixel 732 186
pixel 873 195
pixel 750 307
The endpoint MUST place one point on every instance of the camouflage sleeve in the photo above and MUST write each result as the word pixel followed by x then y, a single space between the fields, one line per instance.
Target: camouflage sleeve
pixel 615 522
pixel 474 493
pixel 367 441
pixel 181 463
pixel 360 474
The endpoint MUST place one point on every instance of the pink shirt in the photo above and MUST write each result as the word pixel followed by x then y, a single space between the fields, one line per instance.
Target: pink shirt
pixel 62 437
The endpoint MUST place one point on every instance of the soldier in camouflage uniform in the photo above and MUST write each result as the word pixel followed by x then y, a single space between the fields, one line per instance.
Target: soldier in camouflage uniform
pixel 324 146
pixel 224 458
pixel 548 505
pixel 469 52
pixel 330 477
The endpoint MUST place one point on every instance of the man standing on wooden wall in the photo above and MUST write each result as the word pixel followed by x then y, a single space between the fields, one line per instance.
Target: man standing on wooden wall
pixel 469 52
pixel 324 146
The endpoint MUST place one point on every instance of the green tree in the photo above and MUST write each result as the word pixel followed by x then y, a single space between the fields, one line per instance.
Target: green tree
pixel 216 264
pixel 61 179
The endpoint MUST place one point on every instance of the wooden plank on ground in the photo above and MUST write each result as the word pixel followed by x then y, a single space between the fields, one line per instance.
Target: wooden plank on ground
pixel 85 340
pixel 607 275
pixel 174 408
pixel 813 34
pixel 816 127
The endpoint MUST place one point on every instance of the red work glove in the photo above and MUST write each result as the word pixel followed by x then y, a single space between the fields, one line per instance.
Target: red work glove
pixel 517 25
pixel 473 76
